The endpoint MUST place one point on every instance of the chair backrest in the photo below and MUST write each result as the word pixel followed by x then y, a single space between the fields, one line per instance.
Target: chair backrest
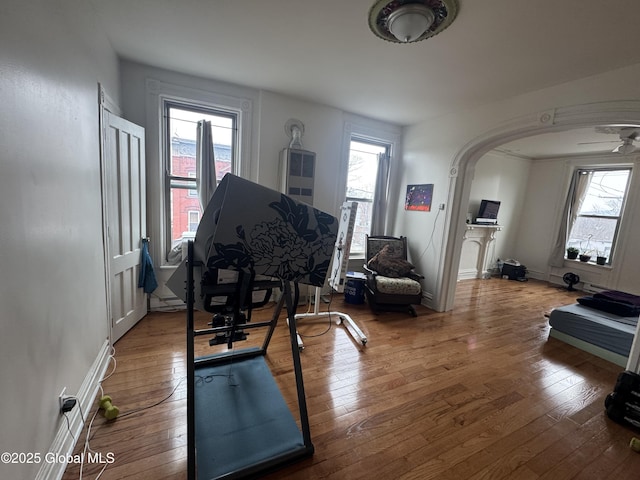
pixel 375 243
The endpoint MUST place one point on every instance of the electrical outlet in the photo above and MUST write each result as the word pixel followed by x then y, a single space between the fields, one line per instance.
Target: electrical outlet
pixel 66 402
pixel 442 206
pixel 61 398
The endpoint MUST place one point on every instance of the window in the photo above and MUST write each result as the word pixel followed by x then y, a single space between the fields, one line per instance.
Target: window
pixel 192 191
pixel 598 217
pixel 361 184
pixel 194 220
pixel 182 207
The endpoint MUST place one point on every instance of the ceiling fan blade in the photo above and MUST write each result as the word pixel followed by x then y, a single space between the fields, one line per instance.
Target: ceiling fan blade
pixel 625 147
pixel 595 143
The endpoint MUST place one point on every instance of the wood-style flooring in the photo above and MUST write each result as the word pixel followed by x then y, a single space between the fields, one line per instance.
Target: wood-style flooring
pixel 479 392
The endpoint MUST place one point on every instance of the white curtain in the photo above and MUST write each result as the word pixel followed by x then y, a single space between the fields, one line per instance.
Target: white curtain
pixel 379 214
pixel 205 164
pixel 577 191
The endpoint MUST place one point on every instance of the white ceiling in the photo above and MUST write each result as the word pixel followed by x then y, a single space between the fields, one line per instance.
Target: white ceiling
pixel 323 50
pixel 579 141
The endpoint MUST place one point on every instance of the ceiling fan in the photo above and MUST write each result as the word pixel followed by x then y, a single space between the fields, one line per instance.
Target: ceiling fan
pixel 627 136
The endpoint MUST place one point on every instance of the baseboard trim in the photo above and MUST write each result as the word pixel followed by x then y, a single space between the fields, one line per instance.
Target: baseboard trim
pixel 468 274
pixel 63 444
pixel 427 300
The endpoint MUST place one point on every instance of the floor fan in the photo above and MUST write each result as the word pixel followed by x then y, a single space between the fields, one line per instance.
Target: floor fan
pixel 570 279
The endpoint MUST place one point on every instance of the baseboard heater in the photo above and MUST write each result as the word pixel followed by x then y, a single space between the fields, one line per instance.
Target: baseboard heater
pixel 591 288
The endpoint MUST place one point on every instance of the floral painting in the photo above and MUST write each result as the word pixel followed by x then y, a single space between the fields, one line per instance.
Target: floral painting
pixel 257 230
pixel 285 246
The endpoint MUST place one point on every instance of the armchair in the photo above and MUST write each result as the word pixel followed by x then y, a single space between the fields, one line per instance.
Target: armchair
pixel 391 282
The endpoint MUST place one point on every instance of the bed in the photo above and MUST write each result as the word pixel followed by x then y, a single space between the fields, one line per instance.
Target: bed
pixel 592 325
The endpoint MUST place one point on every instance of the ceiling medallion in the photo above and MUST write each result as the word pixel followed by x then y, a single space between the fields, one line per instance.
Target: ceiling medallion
pixel 409 21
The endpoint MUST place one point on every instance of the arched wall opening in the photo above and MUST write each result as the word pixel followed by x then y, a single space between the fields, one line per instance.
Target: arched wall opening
pixel 462 169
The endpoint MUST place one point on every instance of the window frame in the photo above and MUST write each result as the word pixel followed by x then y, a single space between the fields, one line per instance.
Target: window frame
pixel 193 192
pixel 370 130
pixel 361 200
pixel 172 181
pixel 210 93
pixel 197 214
pixel 618 218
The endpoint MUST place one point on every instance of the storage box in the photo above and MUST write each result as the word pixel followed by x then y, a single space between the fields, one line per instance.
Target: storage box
pixel 354 288
pixel 514 272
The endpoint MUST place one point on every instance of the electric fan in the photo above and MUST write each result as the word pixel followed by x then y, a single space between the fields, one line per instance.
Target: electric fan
pixel 570 279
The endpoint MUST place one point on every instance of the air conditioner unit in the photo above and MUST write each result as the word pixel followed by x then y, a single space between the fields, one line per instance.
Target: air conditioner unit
pixel 297 173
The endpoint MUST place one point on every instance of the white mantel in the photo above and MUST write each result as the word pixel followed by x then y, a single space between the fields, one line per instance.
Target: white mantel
pixel 475 258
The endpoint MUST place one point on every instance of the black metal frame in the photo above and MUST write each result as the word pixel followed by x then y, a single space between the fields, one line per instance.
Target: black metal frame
pixel 239 355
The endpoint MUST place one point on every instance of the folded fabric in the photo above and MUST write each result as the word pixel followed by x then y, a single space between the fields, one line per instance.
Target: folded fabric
pixel 610 306
pixel 617 296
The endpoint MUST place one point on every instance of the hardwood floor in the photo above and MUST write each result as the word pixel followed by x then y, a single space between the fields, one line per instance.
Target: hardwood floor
pixel 475 393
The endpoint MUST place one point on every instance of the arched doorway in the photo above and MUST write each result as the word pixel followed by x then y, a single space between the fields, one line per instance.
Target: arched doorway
pixel 463 165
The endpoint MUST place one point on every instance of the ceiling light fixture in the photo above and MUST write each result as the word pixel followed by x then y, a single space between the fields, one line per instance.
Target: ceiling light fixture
pixel 408 21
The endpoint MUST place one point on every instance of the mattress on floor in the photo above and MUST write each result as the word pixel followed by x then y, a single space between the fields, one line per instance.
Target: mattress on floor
pixel 606 330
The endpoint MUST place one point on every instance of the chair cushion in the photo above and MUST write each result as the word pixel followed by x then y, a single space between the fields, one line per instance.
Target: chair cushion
pixel 397 286
pixel 389 263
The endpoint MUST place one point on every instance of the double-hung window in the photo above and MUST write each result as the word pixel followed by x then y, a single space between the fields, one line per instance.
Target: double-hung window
pixel 362 175
pixel 182 206
pixel 601 199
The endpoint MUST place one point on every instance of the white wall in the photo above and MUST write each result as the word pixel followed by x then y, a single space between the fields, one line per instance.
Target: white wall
pixel 52 284
pixel 426 158
pixel 546 193
pixel 544 200
pixel 432 151
pixel 504 178
pixel 324 135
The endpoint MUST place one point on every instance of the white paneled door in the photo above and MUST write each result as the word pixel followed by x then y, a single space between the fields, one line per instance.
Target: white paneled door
pixel 125 213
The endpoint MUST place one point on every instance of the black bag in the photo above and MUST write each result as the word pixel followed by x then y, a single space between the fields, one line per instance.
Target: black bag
pixel 623 404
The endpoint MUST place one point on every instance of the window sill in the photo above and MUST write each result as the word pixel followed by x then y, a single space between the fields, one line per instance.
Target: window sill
pixel 587 265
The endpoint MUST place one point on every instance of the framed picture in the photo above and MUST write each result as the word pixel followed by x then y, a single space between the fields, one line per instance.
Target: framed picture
pixel 419 197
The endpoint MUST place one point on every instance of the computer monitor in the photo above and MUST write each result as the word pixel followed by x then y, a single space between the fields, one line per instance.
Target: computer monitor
pixel 488 211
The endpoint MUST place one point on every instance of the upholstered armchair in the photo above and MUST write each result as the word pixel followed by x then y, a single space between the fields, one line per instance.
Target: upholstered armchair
pixel 392 283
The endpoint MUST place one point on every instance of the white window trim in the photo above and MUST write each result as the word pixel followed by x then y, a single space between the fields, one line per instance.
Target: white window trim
pixel 610 161
pixel 157 92
pixel 374 131
pixel 619 218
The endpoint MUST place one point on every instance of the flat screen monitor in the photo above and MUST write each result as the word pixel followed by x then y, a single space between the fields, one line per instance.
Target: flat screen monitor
pixel 489 209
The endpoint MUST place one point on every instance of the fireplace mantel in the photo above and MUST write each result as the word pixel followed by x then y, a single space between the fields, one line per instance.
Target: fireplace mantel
pixel 475 258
